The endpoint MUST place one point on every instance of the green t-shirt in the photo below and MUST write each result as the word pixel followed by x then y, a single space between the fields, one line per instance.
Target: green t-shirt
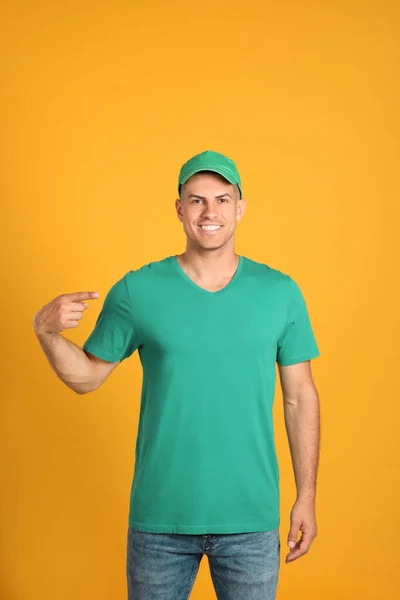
pixel 205 459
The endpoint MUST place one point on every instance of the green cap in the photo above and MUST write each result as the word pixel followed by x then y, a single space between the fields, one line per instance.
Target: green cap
pixel 210 161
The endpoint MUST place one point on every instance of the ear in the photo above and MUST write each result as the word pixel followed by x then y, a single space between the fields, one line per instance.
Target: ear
pixel 240 208
pixel 178 207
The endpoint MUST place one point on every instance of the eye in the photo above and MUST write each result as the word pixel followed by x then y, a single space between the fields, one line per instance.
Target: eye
pixel 220 199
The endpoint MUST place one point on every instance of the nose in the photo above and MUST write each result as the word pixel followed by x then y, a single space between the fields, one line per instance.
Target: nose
pixel 209 211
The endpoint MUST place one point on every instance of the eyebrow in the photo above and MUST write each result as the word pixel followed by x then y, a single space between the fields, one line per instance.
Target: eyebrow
pixel 203 198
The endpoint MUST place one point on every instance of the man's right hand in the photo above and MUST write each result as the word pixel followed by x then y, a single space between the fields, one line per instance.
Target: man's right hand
pixel 63 312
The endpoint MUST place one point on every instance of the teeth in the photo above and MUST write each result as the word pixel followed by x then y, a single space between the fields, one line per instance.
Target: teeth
pixel 210 227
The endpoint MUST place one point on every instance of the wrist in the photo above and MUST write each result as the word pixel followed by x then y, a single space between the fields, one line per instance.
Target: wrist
pixel 306 497
pixel 40 331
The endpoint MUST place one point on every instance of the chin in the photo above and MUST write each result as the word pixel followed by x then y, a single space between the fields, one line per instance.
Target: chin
pixel 212 246
pixel 207 244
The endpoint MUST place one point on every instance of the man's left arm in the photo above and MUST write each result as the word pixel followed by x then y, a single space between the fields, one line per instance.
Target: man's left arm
pixel 302 422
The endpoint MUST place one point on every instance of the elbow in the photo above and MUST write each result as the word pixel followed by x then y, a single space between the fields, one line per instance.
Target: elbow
pixel 291 401
pixel 82 390
pixel 87 391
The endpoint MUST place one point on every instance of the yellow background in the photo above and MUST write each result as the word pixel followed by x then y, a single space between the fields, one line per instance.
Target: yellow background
pixel 101 103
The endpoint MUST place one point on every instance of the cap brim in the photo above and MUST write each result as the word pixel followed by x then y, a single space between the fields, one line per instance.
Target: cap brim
pixel 219 170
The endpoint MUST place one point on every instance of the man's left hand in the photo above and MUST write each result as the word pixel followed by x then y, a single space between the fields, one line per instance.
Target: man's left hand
pixel 302 517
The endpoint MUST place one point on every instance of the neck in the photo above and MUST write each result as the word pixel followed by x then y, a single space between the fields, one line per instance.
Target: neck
pixel 211 265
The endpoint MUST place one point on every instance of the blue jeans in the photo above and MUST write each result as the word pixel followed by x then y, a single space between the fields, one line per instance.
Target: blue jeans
pixel 163 566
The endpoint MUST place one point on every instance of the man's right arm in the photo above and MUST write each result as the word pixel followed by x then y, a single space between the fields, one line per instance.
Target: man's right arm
pixel 78 369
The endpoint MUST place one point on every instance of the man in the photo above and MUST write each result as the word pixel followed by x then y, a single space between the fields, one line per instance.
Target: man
pixel 210 326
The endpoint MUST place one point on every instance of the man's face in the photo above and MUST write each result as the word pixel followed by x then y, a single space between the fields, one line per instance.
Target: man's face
pixel 208 199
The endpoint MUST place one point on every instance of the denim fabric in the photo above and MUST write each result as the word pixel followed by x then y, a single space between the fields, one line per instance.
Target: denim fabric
pixel 163 566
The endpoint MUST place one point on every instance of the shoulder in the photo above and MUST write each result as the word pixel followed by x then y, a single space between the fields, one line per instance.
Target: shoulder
pixel 272 276
pixel 149 274
pixel 124 284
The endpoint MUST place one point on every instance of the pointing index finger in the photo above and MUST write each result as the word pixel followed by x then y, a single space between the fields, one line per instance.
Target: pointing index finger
pixel 77 296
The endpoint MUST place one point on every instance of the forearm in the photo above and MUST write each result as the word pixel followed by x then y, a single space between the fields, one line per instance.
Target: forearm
pixel 302 421
pixel 69 361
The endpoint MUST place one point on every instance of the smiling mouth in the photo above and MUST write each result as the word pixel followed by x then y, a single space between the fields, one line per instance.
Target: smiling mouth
pixel 210 228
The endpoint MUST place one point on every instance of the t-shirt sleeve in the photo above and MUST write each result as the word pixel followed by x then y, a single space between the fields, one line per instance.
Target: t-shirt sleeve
pixel 114 336
pixel 297 342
